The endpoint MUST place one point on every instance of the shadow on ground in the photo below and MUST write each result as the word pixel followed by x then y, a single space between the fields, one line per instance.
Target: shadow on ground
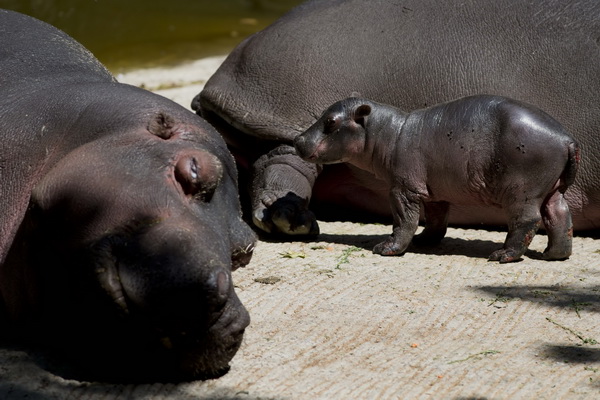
pixel 449 246
pixel 574 299
pixel 577 299
pixel 33 372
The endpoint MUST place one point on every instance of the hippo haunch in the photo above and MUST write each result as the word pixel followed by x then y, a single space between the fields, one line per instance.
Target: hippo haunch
pixel 476 150
pixel 119 216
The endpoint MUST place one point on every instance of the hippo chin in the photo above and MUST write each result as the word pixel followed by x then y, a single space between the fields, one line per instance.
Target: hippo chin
pixel 120 220
pixel 410 55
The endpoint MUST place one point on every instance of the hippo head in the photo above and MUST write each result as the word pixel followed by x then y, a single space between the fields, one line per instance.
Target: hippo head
pixel 129 246
pixel 338 136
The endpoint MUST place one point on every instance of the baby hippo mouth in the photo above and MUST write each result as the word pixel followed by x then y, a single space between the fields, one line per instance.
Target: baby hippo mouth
pixel 310 148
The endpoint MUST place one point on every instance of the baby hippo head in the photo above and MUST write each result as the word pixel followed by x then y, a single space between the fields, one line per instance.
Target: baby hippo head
pixel 339 135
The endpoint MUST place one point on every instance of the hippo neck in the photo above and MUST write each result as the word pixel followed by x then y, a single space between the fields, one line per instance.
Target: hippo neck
pixel 384 130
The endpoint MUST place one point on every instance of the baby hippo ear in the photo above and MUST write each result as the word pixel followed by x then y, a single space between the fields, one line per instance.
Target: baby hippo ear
pixel 361 113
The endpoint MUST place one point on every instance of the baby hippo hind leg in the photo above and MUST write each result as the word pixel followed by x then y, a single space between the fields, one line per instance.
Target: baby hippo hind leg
pixel 523 224
pixel 436 223
pixel 559 227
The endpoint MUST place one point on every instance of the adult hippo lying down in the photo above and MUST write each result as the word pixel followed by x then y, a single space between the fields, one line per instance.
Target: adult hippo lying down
pixel 119 216
pixel 411 55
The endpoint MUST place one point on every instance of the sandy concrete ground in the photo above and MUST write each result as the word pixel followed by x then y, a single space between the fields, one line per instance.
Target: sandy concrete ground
pixel 331 320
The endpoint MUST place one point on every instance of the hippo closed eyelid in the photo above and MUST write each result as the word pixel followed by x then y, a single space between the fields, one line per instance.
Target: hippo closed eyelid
pixel 198 174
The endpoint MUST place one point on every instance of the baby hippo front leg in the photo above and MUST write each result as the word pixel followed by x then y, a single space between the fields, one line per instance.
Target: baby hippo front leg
pixel 405 211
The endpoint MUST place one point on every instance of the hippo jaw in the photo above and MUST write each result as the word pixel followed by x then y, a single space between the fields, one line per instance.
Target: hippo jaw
pixel 194 324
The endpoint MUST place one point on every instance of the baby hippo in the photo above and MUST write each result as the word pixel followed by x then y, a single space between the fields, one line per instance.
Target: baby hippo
pixel 478 150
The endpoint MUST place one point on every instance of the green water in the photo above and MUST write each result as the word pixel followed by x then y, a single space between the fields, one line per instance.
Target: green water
pixel 126 34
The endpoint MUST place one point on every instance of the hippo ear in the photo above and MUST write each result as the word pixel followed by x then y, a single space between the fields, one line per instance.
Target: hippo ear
pixel 162 125
pixel 361 114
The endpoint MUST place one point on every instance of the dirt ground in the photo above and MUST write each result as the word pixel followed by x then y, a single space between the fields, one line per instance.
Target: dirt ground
pixel 331 320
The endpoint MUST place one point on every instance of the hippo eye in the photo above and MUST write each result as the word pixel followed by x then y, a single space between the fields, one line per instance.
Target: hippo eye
pixel 198 174
pixel 330 124
pixel 194 169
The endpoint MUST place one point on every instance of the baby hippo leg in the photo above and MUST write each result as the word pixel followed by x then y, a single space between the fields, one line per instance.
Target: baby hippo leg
pixel 523 224
pixel 559 227
pixel 436 223
pixel 405 212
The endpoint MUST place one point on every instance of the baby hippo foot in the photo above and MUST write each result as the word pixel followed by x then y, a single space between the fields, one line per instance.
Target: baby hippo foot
pixel 505 255
pixel 555 254
pixel 389 247
pixel 428 238
pixel 287 216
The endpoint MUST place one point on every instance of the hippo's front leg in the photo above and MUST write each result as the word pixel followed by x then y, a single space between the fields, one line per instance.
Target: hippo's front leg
pixel 405 211
pixel 280 192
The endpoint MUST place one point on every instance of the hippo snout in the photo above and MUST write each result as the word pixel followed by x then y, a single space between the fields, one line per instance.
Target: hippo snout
pixel 302 146
pixel 179 298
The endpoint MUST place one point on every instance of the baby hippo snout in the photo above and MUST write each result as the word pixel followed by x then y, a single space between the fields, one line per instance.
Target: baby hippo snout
pixel 301 145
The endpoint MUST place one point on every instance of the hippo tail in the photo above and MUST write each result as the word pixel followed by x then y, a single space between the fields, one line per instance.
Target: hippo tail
pixel 568 176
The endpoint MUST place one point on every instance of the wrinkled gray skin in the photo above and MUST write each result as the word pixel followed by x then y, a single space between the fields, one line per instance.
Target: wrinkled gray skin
pixel 478 150
pixel 119 217
pixel 409 54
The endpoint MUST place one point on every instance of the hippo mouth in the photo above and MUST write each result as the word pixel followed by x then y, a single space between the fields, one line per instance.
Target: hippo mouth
pixel 241 257
pixel 200 354
pixel 314 155
pixel 172 348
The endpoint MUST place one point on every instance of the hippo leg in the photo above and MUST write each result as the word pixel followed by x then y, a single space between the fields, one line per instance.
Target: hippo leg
pixel 405 210
pixel 559 227
pixel 281 191
pixel 436 223
pixel 523 224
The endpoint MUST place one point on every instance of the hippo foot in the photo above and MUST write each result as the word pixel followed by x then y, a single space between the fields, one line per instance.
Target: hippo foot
pixel 388 248
pixel 556 255
pixel 427 239
pixel 505 256
pixel 287 216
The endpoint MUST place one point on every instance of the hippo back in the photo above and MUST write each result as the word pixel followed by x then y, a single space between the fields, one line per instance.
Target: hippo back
pixel 20 61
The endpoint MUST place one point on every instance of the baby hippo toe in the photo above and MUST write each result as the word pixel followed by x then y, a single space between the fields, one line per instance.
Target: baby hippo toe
pixel 388 248
pixel 505 256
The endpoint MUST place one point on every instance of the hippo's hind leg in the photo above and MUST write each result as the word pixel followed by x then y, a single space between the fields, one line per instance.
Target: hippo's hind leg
pixel 280 192
pixel 524 220
pixel 559 227
pixel 436 223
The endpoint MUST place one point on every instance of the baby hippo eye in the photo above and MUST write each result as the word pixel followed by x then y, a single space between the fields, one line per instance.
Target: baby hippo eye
pixel 330 125
pixel 198 173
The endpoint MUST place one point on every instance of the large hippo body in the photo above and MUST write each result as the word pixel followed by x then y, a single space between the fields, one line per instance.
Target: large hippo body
pixel 119 216
pixel 410 54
